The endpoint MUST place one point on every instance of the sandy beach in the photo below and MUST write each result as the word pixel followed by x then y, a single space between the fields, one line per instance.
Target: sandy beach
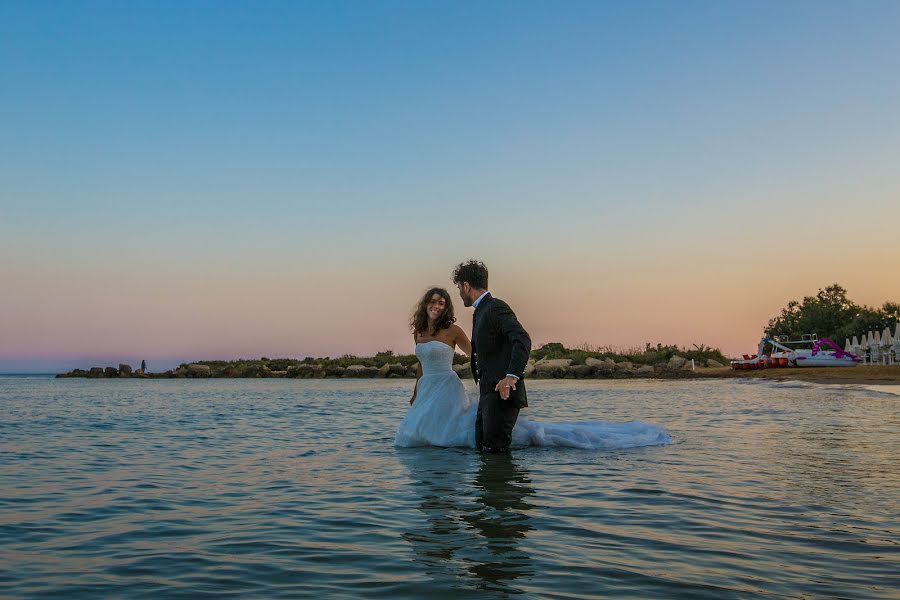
pixel 859 375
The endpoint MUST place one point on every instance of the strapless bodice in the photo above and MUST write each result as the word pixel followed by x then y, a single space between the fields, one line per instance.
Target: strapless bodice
pixel 435 357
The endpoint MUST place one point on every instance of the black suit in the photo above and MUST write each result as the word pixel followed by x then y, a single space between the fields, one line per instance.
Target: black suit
pixel 500 346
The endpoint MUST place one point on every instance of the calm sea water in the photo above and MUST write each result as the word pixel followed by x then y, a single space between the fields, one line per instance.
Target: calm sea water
pixel 290 488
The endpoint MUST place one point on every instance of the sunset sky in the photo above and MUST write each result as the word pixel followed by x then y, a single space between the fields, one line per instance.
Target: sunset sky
pixel 198 180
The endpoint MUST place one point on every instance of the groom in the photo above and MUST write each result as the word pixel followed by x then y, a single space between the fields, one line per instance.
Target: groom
pixel 500 349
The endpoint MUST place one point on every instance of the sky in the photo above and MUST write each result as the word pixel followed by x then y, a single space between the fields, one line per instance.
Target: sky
pixel 195 180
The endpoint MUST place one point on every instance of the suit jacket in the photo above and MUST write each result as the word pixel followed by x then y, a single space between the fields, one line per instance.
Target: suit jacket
pixel 500 345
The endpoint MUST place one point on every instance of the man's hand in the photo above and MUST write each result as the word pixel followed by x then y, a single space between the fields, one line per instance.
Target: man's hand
pixel 506 385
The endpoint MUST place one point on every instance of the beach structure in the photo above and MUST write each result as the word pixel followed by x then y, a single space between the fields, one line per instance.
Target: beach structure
pixel 874 347
pixel 779 352
pixel 887 347
pixel 896 349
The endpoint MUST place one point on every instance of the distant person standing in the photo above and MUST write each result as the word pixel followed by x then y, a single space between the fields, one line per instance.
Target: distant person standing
pixel 143 366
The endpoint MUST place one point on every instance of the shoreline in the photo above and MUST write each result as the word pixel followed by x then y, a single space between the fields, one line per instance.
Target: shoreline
pixel 858 375
pixel 548 369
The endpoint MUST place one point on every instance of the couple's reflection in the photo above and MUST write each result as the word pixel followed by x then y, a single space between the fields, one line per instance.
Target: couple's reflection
pixel 476 507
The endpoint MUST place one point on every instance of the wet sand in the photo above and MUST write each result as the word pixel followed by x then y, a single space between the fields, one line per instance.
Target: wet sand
pixel 859 375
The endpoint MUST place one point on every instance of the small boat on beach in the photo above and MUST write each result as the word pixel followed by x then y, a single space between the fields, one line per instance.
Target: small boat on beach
pixel 775 352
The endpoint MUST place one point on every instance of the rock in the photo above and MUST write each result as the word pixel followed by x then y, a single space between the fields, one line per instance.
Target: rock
pixel 180 372
pixel 384 370
pixel 529 368
pixel 714 364
pixel 624 366
pixel 110 372
pixel 139 371
pixel 124 370
pixel 555 368
pixel 579 371
pixel 601 368
pixel 464 371
pixel 413 370
pixel 73 373
pixel 304 371
pixel 334 371
pixel 279 373
pixel 554 362
pixel 199 371
pixel 399 370
pixel 360 371
pixel 676 362
pixel 688 365
pixel 644 371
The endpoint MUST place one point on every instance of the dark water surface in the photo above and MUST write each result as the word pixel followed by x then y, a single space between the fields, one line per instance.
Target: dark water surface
pixel 288 488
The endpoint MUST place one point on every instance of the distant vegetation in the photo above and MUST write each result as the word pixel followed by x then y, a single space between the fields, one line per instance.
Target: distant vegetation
pixel 648 355
pixel 831 314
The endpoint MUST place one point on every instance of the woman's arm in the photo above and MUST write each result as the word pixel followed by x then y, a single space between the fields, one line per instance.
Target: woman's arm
pixel 418 377
pixel 418 374
pixel 462 340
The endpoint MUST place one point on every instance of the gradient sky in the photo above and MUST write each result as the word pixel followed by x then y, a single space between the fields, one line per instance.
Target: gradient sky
pixel 192 180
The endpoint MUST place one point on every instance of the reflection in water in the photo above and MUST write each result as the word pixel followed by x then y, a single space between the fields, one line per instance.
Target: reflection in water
pixel 477 510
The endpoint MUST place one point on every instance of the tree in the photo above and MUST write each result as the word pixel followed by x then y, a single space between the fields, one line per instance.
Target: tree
pixel 831 314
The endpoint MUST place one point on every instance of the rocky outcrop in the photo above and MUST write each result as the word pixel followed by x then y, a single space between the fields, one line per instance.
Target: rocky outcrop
pixel 676 362
pixel 677 367
pixel 552 368
pixel 334 371
pixel 360 371
pixel 579 372
pixel 199 371
pixel 529 369
pixel 464 370
pixel 714 364
pixel 306 371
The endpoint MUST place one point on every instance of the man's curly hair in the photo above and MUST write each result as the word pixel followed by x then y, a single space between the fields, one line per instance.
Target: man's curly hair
pixel 473 272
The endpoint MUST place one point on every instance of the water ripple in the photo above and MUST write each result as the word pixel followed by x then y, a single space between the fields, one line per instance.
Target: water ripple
pixel 284 488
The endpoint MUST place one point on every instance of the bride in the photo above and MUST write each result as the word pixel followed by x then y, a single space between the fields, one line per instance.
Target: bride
pixel 442 414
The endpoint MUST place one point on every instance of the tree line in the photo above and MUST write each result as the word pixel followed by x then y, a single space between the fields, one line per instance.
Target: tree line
pixel 830 313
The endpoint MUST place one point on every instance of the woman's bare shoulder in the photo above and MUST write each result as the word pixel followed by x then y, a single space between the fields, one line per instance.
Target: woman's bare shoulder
pixel 457 330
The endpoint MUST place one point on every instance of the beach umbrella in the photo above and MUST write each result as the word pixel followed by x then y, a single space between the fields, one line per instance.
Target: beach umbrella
pixel 886 339
pixel 897 343
pixel 865 342
pixel 855 343
pixel 847 345
pixel 877 338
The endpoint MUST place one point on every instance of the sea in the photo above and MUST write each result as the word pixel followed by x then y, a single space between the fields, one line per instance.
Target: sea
pixel 280 488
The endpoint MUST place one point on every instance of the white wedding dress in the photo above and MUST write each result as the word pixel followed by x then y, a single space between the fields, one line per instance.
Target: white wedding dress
pixel 444 415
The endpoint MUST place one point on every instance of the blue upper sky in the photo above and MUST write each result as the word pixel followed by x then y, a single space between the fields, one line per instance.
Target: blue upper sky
pixel 257 134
